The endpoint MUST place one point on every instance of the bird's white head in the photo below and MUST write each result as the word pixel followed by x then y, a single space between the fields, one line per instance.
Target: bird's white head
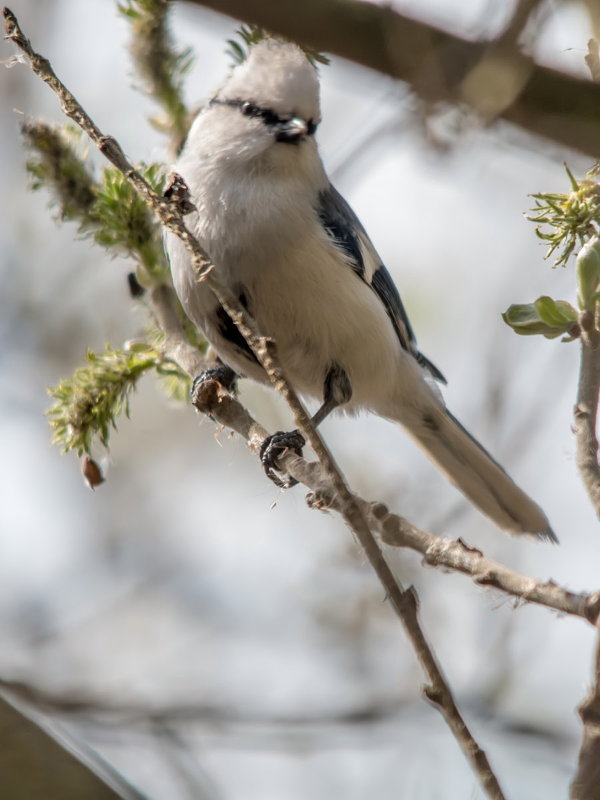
pixel 257 134
pixel 276 77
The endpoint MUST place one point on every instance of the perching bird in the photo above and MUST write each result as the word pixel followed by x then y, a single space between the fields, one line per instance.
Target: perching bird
pixel 290 247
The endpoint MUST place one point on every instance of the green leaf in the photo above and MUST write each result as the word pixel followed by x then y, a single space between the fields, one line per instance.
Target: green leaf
pixel 555 313
pixel 545 317
pixel 253 34
pixel 574 183
pixel 588 274
pixel 124 222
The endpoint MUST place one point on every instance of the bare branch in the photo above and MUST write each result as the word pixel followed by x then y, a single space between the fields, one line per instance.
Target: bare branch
pixel 176 345
pixel 39 762
pixel 459 556
pixel 586 408
pixel 403 601
pixel 587 780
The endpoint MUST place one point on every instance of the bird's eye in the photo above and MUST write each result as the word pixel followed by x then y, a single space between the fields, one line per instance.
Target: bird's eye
pixel 247 109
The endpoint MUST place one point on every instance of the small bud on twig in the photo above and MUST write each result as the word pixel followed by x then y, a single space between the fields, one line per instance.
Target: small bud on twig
pixel 92 474
pixel 177 192
pixel 135 287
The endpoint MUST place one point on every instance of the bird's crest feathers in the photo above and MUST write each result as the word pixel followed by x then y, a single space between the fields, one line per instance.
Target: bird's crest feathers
pixel 277 75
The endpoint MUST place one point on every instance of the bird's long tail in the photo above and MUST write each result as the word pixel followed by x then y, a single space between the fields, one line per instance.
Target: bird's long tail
pixel 473 470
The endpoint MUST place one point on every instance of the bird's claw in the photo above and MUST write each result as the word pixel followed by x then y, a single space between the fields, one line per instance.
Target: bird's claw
pixel 204 392
pixel 275 446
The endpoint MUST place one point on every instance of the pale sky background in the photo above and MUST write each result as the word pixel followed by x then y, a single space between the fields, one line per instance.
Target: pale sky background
pixel 187 580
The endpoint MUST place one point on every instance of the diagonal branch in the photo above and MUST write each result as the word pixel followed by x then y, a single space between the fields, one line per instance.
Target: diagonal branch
pixel 403 601
pixel 395 531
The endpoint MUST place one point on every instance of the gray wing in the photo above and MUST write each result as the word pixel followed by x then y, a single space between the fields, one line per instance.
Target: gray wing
pixel 345 229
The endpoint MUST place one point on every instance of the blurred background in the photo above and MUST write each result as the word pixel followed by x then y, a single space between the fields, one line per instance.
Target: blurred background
pixel 208 635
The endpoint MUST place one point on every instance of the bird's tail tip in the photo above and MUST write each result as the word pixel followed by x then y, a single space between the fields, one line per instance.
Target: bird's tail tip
pixel 476 473
pixel 547 536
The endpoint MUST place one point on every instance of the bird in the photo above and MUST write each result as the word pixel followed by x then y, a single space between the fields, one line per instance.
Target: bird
pixel 289 246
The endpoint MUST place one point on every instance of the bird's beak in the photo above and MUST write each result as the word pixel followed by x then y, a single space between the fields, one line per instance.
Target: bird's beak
pixel 292 130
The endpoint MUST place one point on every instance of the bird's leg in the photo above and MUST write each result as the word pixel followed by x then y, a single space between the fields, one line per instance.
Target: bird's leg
pixel 337 390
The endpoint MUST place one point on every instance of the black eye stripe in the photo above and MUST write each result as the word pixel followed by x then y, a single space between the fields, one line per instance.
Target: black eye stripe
pixel 268 116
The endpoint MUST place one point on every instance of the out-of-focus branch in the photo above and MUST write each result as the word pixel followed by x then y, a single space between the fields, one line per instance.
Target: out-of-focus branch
pixel 593 10
pixel 501 74
pixel 403 601
pixel 160 64
pixel 519 18
pixel 176 345
pixel 37 764
pixel 592 59
pixel 586 784
pixel 560 107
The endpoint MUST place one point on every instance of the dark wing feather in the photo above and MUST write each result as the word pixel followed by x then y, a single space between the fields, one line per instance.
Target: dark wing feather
pixel 335 214
pixel 347 232
pixel 385 287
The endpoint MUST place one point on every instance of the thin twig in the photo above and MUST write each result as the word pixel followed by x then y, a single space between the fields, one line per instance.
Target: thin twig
pixel 457 555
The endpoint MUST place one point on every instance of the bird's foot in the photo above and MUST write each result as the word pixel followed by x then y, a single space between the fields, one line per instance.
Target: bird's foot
pixel 275 446
pixel 204 387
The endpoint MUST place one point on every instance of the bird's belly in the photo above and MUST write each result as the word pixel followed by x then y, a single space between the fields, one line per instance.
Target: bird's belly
pixel 320 314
